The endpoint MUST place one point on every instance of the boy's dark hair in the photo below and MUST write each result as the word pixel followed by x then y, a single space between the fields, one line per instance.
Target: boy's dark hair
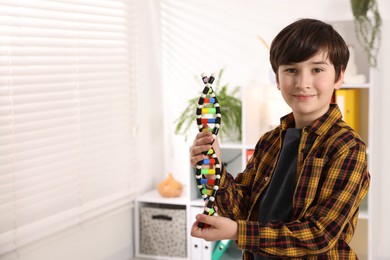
pixel 304 38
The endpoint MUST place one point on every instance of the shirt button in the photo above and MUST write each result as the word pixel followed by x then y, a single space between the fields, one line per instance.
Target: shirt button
pixel 266 178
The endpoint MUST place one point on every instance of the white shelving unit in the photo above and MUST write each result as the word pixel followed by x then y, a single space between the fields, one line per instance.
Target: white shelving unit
pixel 192 206
pixel 360 241
pixel 153 198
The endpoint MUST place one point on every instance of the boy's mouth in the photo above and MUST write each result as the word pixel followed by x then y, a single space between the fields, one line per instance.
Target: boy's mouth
pixel 303 96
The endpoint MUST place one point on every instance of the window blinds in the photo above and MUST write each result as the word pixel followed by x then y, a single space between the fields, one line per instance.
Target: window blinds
pixel 67 116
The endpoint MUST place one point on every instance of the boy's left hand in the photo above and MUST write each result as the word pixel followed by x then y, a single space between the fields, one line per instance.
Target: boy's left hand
pixel 220 228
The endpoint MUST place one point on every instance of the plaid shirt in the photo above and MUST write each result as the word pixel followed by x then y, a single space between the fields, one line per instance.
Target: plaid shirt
pixel 332 179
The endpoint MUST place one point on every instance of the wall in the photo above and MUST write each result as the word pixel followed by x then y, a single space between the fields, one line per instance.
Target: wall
pixel 149 94
pixel 112 238
pixel 380 192
pixel 107 239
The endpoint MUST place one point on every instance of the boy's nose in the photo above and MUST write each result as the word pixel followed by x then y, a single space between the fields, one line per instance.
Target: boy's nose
pixel 303 81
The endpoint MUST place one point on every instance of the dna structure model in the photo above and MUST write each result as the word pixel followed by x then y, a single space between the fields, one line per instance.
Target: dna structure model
pixel 208 171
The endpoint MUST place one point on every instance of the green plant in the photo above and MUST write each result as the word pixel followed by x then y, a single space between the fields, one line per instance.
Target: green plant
pixel 368 24
pixel 230 109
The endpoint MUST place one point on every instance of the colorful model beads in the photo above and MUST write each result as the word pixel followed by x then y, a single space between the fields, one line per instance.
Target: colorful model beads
pixel 208 171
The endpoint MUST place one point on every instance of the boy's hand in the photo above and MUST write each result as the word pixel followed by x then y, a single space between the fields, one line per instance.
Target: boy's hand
pixel 220 228
pixel 201 144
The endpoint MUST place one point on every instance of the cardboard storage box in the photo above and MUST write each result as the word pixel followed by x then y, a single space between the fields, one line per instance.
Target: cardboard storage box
pixel 163 231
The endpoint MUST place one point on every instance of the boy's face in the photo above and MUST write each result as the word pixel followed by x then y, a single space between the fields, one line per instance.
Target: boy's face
pixel 307 87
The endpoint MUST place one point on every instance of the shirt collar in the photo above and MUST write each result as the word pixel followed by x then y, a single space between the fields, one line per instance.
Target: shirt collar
pixel 319 126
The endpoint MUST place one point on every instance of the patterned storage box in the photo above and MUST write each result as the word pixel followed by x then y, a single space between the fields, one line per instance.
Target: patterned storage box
pixel 163 231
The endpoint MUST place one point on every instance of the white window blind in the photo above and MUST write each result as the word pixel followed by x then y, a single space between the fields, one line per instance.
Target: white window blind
pixel 67 116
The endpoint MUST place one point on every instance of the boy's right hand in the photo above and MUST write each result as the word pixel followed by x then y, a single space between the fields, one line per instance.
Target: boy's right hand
pixel 219 228
pixel 201 144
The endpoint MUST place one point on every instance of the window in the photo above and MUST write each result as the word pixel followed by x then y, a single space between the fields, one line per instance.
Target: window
pixel 68 116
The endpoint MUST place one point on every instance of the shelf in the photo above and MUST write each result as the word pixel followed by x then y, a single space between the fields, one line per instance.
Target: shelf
pixel 197 203
pixel 231 145
pixel 360 86
pixel 154 197
pixel 363 214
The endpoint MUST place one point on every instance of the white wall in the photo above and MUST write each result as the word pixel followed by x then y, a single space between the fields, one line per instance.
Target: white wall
pixel 150 94
pixel 107 239
pixel 112 238
pixel 380 178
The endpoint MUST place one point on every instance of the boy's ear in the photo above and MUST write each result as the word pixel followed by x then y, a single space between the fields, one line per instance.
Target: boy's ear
pixel 277 81
pixel 340 80
pixel 277 85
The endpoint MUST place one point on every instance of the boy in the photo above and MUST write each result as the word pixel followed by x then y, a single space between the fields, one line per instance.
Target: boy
pixel 299 196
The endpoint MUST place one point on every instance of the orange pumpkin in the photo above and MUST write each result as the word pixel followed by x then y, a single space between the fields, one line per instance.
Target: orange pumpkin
pixel 170 187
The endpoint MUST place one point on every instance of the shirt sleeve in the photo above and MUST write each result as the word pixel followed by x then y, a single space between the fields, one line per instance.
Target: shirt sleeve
pixel 327 198
pixel 235 195
pixel 234 202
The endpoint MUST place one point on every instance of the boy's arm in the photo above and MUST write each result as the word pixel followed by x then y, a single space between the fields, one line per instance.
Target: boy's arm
pixel 329 194
pixel 235 197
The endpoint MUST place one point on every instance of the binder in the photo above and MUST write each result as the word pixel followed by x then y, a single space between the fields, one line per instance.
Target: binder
pixel 348 101
pixel 249 154
pixel 196 248
pixel 207 249
pixel 196 243
pixel 220 249
pixel 200 249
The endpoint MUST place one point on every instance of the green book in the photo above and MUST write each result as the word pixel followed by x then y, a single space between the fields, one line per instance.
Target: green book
pixel 220 249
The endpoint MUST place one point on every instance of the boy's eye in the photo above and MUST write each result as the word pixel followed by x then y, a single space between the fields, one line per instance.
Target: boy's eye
pixel 317 70
pixel 291 70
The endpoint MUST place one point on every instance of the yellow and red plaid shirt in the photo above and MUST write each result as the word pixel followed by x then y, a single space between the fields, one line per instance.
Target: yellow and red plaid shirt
pixel 332 179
